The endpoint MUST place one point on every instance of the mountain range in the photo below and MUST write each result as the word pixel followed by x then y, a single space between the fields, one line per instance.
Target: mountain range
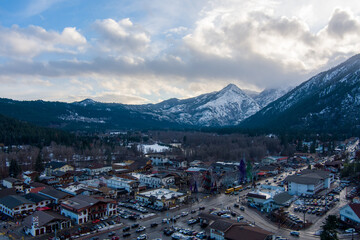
pixel 227 107
pixel 329 101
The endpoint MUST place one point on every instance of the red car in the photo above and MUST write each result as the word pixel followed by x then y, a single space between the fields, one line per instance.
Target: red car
pixel 96 221
pixel 115 238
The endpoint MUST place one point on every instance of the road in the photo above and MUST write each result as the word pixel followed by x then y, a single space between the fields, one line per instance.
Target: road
pixel 222 201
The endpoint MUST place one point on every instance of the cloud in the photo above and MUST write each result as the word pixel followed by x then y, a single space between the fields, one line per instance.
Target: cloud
pixel 121 36
pixel 255 45
pixel 343 23
pixel 25 43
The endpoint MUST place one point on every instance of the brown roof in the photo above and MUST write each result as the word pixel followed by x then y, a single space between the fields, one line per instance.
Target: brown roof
pixel 222 225
pixel 45 217
pixel 356 208
pixel 256 195
pixel 246 232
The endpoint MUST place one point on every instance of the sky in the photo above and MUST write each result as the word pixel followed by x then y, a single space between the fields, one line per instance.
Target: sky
pixel 141 51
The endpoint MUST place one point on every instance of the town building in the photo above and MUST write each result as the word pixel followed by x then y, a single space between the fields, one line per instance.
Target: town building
pixel 154 180
pixel 54 194
pixel 16 206
pixel 350 214
pixel 222 229
pixel 162 198
pixel 57 166
pixel 82 209
pixel 268 198
pixel 97 170
pixel 309 182
pixel 11 182
pixel 44 222
pixel 122 183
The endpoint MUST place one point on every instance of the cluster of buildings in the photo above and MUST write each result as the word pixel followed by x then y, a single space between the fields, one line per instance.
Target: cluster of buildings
pixel 62 196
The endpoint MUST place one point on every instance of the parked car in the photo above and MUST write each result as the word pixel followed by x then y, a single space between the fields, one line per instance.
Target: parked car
pixel 350 230
pixel 126 229
pixel 135 225
pixel 141 229
pixel 295 233
pixel 142 236
pixel 127 234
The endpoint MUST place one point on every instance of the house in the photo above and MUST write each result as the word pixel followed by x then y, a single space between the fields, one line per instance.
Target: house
pixel 11 182
pixel 39 200
pixel 41 222
pixel 350 214
pixel 161 159
pixel 122 183
pixel 98 169
pixel 79 189
pixel 30 176
pixel 16 206
pixel 63 177
pixel 57 166
pixel 309 182
pixel 334 166
pixel 154 180
pixel 269 169
pixel 283 199
pixel 54 194
pixel 268 198
pixel 222 229
pixel 82 209
pixel 162 198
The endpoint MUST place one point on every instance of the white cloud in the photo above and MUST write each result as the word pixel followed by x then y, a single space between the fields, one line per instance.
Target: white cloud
pixel 256 44
pixel 122 36
pixel 26 43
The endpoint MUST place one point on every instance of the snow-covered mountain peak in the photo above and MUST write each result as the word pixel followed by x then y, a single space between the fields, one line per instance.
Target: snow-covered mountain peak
pixel 85 102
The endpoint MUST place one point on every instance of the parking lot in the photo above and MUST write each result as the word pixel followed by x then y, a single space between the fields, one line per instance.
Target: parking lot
pixel 311 208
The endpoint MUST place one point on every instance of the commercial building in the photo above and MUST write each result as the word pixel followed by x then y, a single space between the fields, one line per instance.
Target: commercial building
pixel 309 182
pixel 162 198
pixel 122 183
pixel 226 229
pixel 350 214
pixel 43 222
pixel 82 209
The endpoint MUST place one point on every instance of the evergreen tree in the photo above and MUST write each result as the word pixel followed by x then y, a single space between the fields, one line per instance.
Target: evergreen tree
pixel 14 168
pixel 249 170
pixel 313 147
pixel 207 181
pixel 329 228
pixel 242 171
pixel 39 165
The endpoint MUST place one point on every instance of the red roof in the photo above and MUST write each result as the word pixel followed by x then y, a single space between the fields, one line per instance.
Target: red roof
pixel 42 208
pixel 36 190
pixel 356 208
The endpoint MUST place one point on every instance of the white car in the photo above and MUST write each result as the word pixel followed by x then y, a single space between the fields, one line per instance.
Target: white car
pixel 350 230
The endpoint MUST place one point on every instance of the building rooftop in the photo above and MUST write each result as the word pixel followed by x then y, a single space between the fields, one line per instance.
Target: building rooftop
pixel 51 192
pixel 45 217
pixel 79 202
pixel 161 193
pixel 35 197
pixel 13 201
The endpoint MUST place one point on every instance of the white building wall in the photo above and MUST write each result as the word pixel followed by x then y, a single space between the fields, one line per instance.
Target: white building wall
pixel 7 184
pixel 347 212
pixel 70 214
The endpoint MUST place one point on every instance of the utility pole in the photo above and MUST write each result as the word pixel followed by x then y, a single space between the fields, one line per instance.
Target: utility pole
pixel 304 216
